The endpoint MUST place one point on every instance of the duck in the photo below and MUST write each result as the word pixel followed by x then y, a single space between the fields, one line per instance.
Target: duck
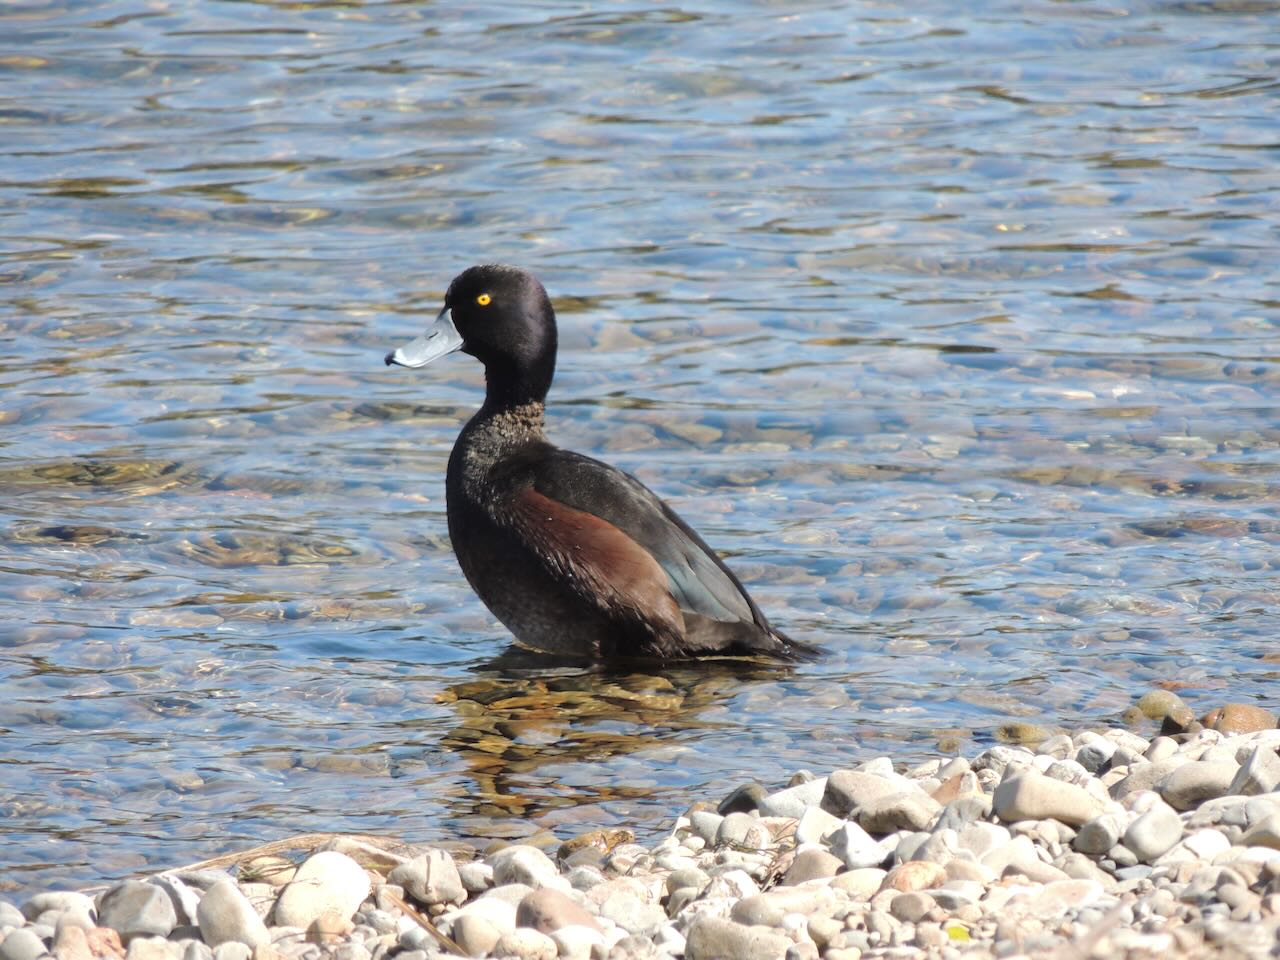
pixel 575 557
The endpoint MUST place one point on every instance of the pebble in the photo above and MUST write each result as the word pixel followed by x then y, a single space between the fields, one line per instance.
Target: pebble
pixel 327 882
pixel 134 908
pixel 1032 796
pixel 431 878
pixel 523 864
pixel 548 909
pixel 1153 833
pixel 1190 784
pixel 22 944
pixel 225 914
pixel 792 802
pixel 1101 843
pixel 527 944
pixel 711 938
pixel 855 847
pixel 813 863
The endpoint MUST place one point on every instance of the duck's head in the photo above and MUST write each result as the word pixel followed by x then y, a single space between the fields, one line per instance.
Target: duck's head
pixel 502 316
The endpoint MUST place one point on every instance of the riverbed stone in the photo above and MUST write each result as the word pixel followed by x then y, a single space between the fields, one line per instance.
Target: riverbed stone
pixel 527 944
pixel 1033 796
pixel 815 825
pixel 1186 787
pixel 134 908
pixel 433 877
pixel 22 944
pixel 1100 834
pixel 910 809
pixel 548 909
pixel 522 863
pixel 1153 833
pixel 327 882
pixel 1239 718
pixel 711 938
pixel 474 934
pixel 855 847
pixel 794 801
pixel 1260 772
pixel 225 914
pixel 848 790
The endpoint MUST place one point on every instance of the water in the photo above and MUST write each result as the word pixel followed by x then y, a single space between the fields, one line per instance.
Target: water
pixel 956 331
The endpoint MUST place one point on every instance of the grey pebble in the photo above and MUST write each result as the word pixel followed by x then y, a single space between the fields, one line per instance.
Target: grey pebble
pixel 1153 833
pixel 793 801
pixel 743 830
pixel 432 877
pixel 226 915
pixel 134 908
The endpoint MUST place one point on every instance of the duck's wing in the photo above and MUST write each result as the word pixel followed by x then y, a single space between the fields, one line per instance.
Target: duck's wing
pixel 621 542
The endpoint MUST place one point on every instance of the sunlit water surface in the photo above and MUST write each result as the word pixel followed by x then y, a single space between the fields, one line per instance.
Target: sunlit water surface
pixel 956 330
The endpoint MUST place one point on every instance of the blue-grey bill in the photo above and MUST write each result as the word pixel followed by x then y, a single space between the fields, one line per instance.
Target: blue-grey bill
pixel 442 338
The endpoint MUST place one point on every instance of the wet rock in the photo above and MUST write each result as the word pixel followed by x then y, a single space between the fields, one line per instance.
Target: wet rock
pixel 1239 718
pixel 327 882
pixel 1159 704
pixel 744 799
pixel 225 914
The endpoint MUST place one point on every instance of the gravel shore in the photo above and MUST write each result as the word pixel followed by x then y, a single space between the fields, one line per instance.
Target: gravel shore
pixel 1099 843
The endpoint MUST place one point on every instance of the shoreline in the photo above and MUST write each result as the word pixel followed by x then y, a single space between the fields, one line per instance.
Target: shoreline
pixel 1099 843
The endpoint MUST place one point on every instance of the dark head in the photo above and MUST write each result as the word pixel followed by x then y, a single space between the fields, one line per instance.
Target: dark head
pixel 502 316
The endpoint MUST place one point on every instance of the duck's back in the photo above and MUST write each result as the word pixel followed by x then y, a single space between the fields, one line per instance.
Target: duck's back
pixel 575 556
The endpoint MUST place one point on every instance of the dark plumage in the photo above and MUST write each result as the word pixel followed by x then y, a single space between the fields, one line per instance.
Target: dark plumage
pixel 574 556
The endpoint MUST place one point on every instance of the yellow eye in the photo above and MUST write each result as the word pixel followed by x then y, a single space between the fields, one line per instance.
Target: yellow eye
pixel 484 299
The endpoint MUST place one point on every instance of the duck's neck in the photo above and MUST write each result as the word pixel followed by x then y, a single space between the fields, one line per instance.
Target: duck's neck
pixel 507 425
pixel 490 437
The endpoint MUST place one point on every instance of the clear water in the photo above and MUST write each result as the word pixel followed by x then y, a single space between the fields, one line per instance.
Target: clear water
pixel 956 330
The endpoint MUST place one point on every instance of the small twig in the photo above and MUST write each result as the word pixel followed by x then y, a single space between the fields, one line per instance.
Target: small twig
pixel 426 924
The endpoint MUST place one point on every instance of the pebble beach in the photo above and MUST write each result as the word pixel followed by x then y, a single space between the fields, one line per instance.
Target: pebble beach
pixel 1102 842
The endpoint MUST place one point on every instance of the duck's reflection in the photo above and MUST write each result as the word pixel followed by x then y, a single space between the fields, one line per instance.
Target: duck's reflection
pixel 524 722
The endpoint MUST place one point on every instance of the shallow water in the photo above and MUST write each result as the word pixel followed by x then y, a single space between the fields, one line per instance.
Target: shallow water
pixel 956 332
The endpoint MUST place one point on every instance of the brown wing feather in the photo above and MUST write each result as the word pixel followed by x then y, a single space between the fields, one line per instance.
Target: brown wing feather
pixel 605 566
